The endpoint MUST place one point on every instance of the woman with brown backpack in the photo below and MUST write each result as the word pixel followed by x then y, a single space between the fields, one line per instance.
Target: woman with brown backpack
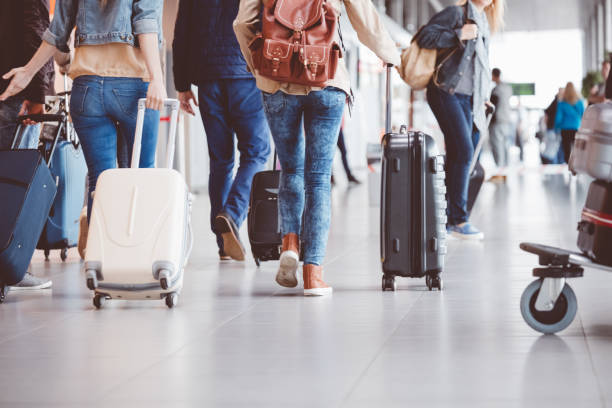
pixel 295 52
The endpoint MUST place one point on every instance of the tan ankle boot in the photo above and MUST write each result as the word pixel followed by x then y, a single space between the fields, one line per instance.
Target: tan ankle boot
pixel 313 281
pixel 289 261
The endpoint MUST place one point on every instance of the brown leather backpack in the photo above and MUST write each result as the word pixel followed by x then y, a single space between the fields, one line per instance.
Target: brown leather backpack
pixel 297 42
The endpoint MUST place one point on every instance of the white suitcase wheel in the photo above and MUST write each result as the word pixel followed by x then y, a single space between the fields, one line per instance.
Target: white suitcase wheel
pixel 171 299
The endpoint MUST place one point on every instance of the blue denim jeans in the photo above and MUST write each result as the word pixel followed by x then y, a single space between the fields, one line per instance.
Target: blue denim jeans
pixel 228 107
pixel 9 110
pixel 455 117
pixel 306 161
pixel 100 108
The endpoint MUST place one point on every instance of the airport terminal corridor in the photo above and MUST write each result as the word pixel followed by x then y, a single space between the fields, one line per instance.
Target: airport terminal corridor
pixel 237 339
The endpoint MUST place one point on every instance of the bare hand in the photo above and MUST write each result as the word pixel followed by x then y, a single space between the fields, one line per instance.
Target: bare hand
pixel 30 108
pixel 156 95
pixel 469 32
pixel 185 98
pixel 21 79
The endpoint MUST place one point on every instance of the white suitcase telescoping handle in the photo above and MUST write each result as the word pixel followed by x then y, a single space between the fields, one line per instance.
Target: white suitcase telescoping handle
pixel 173 105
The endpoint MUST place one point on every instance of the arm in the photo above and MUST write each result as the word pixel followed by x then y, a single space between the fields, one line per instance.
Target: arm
pixel 150 50
pixel 36 21
pixel 245 27
pixel 443 30
pixel 371 31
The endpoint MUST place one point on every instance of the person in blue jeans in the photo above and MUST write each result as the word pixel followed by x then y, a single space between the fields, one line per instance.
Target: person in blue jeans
pixel 207 54
pixel 305 123
pixel 458 94
pixel 116 63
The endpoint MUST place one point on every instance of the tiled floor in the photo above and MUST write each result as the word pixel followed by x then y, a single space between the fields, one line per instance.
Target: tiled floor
pixel 238 340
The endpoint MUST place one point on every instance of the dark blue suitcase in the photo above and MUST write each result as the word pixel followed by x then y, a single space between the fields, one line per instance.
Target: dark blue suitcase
pixel 69 171
pixel 27 191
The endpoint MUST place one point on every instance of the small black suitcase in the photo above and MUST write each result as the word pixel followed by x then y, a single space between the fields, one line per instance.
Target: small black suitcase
pixel 595 228
pixel 477 177
pixel 27 191
pixel 413 206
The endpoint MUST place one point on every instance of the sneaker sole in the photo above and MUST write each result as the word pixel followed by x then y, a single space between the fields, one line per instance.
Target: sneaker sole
pixel 231 244
pixel 468 237
pixel 318 292
pixel 287 270
pixel 45 285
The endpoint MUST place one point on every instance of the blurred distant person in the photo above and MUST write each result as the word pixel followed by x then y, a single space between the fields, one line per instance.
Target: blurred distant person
pixel 343 153
pixel 569 115
pixel 598 92
pixel 500 129
pixel 551 138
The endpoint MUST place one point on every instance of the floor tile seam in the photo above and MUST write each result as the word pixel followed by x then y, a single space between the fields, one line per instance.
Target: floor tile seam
pixel 72 315
pixel 103 396
pixel 600 388
pixel 339 256
pixel 378 353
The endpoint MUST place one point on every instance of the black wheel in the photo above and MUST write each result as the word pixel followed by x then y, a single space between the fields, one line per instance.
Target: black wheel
pixel 171 300
pixel 2 293
pixel 388 283
pixel 47 252
pixel 435 282
pixel 91 284
pixel 553 321
pixel 64 254
pixel 163 282
pixel 98 300
pixel 428 282
pixel 257 262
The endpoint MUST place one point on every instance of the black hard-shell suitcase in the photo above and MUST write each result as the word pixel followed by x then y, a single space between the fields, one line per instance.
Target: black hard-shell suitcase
pixel 595 228
pixel 263 223
pixel 413 206
pixel 27 190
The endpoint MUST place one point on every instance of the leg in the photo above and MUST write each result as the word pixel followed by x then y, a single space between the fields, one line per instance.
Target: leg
pixel 497 140
pixel 568 137
pixel 322 118
pixel 342 148
pixel 220 140
pixel 249 122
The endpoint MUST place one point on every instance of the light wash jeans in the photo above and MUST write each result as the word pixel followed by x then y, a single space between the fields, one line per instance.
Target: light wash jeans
pixel 306 161
pixel 9 110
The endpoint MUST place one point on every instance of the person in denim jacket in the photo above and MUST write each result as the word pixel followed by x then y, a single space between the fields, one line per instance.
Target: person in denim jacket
pixel 116 63
pixel 459 91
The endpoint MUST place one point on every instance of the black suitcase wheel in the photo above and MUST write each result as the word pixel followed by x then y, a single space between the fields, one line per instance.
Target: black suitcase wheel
pixel 388 283
pixel 64 254
pixel 98 300
pixel 2 293
pixel 257 262
pixel 434 282
pixel 47 252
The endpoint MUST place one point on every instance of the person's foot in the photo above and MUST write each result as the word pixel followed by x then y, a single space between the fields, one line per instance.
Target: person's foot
pixel 223 256
pixel 289 261
pixel 31 282
pixel 83 230
pixel 353 180
pixel 498 178
pixel 313 281
pixel 465 231
pixel 228 229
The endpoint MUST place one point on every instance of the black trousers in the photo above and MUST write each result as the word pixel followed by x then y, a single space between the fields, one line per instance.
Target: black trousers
pixel 567 142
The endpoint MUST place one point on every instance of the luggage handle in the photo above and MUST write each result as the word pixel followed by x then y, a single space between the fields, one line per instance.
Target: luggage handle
pixel 173 104
pixel 484 135
pixel 389 101
pixel 39 118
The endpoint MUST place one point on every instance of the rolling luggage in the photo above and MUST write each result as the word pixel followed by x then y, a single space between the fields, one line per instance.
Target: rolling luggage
pixel 27 190
pixel 413 206
pixel 263 218
pixel 592 152
pixel 595 228
pixel 140 237
pixel 477 172
pixel 69 170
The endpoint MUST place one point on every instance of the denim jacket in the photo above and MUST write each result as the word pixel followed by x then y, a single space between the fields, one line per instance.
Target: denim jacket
pixel 119 21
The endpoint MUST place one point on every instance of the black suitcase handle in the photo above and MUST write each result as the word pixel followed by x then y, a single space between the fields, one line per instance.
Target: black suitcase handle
pixel 389 101
pixel 41 117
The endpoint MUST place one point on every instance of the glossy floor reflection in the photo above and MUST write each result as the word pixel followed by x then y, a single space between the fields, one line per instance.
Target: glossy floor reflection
pixel 237 339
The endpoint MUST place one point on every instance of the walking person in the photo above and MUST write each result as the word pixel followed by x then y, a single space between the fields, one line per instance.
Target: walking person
pixel 459 92
pixel 22 24
pixel 553 138
pixel 500 129
pixel 305 123
pixel 344 156
pixel 116 62
pixel 567 120
pixel 207 54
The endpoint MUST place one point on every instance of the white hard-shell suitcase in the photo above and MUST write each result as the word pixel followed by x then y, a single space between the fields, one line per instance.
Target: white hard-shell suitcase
pixel 592 152
pixel 140 236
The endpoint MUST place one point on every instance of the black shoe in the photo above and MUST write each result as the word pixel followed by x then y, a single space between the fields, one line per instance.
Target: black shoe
pixel 353 180
pixel 232 246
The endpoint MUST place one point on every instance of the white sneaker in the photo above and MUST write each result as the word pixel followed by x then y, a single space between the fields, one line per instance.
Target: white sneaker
pixel 287 270
pixel 31 282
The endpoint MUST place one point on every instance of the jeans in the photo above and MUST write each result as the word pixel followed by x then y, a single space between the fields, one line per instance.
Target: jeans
pixel 231 106
pixel 306 161
pixel 455 117
pixel 9 111
pixel 100 108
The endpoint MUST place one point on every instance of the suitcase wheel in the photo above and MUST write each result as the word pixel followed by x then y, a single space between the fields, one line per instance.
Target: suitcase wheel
pixel 171 299
pixel 434 282
pixel 92 283
pixel 64 254
pixel 98 300
pixel 257 262
pixel 2 293
pixel 552 321
pixel 388 283
pixel 47 252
